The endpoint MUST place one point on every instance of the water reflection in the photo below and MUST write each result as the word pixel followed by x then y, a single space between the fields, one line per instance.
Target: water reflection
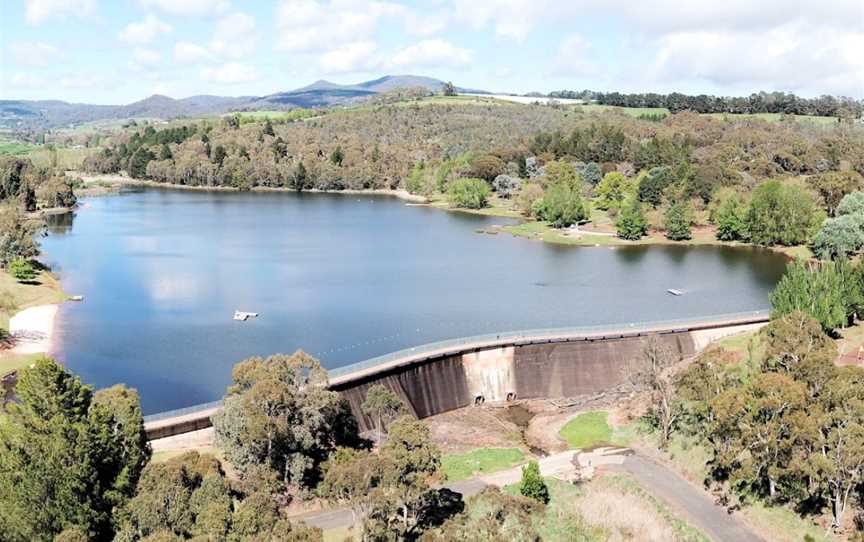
pixel 343 277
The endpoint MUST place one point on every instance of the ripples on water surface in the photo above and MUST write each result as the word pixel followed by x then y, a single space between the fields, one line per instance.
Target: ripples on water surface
pixel 343 277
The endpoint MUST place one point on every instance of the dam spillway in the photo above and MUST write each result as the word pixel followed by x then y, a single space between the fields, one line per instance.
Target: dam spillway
pixel 435 378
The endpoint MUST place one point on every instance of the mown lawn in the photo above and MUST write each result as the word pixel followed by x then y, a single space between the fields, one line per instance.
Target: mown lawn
pixel 483 461
pixel 14 362
pixel 16 296
pixel 587 430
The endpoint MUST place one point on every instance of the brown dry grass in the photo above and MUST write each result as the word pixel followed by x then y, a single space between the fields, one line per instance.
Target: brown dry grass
pixel 623 516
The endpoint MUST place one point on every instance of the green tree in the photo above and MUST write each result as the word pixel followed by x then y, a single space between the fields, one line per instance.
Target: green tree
pixel 494 515
pixel 631 223
pixel 337 155
pixel 219 155
pixel 165 152
pixel 486 167
pixel 22 270
pixel 561 206
pixel 613 191
pixel 820 291
pixel 16 236
pixel 268 128
pixel 560 172
pixel 731 219
pixel 448 89
pixel 65 458
pixel 279 412
pixel 653 185
pixel 780 213
pixel 138 163
pixel 383 406
pixel 469 193
pixel 677 222
pixel 833 186
pixel 532 484
pixel 402 506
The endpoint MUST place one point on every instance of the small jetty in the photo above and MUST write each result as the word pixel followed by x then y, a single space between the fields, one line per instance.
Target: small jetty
pixel 243 316
pixel 673 291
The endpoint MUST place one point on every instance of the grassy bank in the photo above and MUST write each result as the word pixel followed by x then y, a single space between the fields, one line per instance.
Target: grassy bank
pixel 44 290
pixel 478 462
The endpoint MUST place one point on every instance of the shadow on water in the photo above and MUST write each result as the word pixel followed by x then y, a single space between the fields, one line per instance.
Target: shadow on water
pixel 60 224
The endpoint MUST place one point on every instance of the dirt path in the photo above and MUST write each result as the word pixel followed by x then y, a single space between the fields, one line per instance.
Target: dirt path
pixel 695 505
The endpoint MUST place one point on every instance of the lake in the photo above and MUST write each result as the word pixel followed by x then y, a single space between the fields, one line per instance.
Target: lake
pixel 343 277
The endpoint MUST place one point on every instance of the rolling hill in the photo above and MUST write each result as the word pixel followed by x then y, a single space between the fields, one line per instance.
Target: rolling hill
pixel 43 114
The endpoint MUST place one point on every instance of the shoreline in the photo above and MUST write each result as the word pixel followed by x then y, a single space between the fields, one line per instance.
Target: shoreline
pixel 119 180
pixel 32 330
pixel 527 229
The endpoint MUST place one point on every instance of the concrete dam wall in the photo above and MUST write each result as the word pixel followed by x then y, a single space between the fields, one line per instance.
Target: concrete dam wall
pixel 437 378
pixel 564 369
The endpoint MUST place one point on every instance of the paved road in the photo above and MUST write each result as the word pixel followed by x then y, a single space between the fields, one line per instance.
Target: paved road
pixel 696 506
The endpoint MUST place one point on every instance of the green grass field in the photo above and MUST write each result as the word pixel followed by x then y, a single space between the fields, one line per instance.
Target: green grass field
pixel 587 430
pixel 632 111
pixel 482 461
pixel 14 148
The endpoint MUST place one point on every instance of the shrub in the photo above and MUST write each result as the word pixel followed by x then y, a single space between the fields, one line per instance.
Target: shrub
pixel 839 237
pixel 851 204
pixel 532 484
pixel 591 173
pixel 529 196
pixel 677 222
pixel 561 206
pixel 22 270
pixel 505 185
pixel 469 193
pixel 631 223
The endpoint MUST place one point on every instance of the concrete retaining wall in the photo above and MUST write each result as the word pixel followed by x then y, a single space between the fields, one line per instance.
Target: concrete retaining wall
pixel 436 381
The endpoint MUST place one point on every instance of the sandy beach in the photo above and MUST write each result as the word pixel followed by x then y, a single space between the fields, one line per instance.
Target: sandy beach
pixel 32 329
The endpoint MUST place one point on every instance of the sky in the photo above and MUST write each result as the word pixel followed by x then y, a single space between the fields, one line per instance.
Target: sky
pixel 120 51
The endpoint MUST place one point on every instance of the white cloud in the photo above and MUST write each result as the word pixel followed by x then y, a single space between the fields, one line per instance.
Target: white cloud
pixel 189 8
pixel 234 36
pixel 310 25
pixel 36 54
pixel 574 57
pixel 39 11
pixel 27 80
pixel 190 53
pixel 351 57
pixel 230 73
pixel 145 57
pixel 792 57
pixel 81 80
pixel 432 53
pixel 144 32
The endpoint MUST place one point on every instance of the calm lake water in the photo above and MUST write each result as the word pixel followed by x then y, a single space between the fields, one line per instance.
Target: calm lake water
pixel 343 277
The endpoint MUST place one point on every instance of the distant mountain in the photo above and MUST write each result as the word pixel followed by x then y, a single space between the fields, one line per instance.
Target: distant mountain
pixel 41 114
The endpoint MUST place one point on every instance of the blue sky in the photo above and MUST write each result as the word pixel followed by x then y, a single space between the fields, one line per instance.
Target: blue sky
pixel 119 51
